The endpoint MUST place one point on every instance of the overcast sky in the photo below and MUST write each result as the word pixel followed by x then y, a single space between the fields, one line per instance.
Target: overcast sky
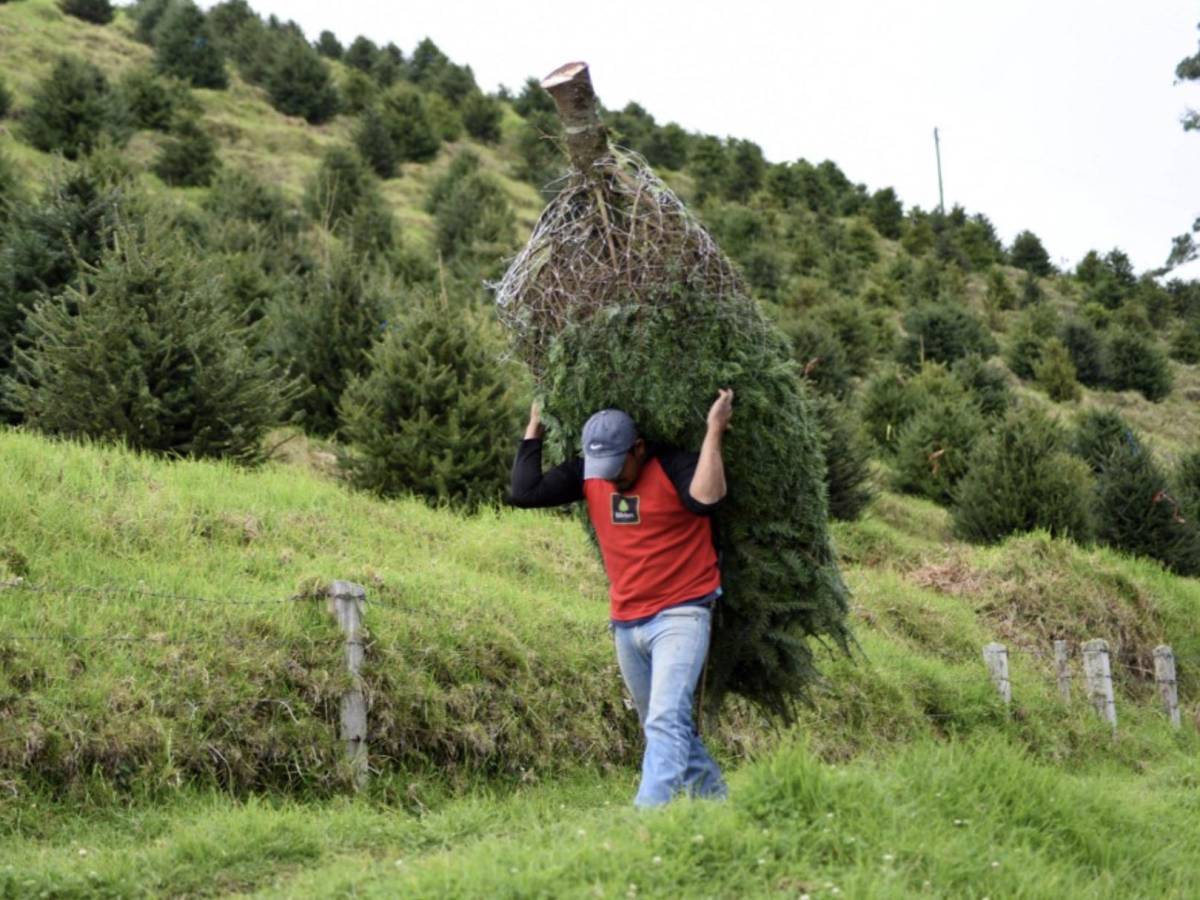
pixel 1060 116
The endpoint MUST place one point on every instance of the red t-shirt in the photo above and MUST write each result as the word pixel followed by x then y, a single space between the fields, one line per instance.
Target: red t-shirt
pixel 656 551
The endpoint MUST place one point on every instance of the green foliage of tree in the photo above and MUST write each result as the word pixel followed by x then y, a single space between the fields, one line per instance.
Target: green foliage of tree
pixel 1187 486
pixel 847 460
pixel 340 184
pixel 389 66
pixel 1055 373
pixel 1099 433
pixel 408 120
pixel 933 447
pixel 432 416
pixel 444 119
pixel 1185 342
pixel 189 157
pixel 1027 339
pixel 1000 295
pixel 708 166
pixel 299 84
pixel 1086 350
pixel 431 69
pixel 745 171
pixel 977 242
pixel 358 92
pixel 12 192
pixel 886 213
pixel 5 98
pixel 329 46
pixel 918 237
pixel 184 48
pixel 986 381
pixel 98 12
pixel 667 147
pixel 146 16
pixel 1020 478
pixel 239 194
pixel 540 158
pixel 481 116
pixel 47 245
pixel 943 332
pixel 1028 253
pixel 375 145
pixel 153 101
pixel 820 355
pixel 533 99
pixel 474 222
pixel 147 354
pixel 1137 514
pixel 1134 362
pixel 324 327
pixel 71 109
pixel 1108 280
pixel 361 54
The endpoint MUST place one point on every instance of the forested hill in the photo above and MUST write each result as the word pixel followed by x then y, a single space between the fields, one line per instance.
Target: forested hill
pixel 315 223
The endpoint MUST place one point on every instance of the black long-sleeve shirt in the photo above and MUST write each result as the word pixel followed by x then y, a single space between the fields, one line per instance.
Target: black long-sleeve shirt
pixel 531 488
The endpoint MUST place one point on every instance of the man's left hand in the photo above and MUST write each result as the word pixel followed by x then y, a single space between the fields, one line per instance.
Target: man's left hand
pixel 721 411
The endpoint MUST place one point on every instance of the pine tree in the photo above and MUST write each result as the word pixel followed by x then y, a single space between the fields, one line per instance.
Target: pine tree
pixel 324 328
pixel 147 14
pixel 433 416
pixel 154 102
pixel 474 223
pixel 147 354
pixel 408 120
pixel 1099 433
pixel 1020 478
pixel 1055 374
pixel 1028 253
pixel 1136 512
pixel 71 109
pixel 1086 351
pixel 943 332
pixel 340 184
pixel 375 144
pixel 184 48
pixel 299 84
pixel 847 461
pixel 361 54
pixel 329 46
pixel 5 98
pixel 1134 362
pixel 99 12
pixel 934 445
pixel 481 117
pixel 189 157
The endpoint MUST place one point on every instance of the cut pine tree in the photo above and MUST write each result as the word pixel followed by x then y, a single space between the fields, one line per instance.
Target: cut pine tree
pixel 621 299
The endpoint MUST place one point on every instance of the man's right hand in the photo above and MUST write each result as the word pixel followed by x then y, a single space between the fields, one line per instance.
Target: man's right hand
pixel 535 429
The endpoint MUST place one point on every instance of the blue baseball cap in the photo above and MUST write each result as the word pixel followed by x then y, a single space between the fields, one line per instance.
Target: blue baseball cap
pixel 607 437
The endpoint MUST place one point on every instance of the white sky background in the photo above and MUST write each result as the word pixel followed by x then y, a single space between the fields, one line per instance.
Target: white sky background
pixel 1056 115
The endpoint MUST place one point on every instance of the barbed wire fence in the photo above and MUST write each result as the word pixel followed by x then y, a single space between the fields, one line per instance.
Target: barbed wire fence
pixel 347 602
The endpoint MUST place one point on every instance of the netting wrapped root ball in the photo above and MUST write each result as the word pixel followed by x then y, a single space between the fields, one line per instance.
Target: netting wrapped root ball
pixel 622 299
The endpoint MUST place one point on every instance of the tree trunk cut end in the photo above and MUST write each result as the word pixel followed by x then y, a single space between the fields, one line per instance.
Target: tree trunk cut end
pixel 571 87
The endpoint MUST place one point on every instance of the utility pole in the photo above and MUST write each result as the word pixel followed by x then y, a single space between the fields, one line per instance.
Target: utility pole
pixel 937 148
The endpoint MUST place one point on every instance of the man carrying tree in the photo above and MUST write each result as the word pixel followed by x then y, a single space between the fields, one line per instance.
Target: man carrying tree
pixel 651 508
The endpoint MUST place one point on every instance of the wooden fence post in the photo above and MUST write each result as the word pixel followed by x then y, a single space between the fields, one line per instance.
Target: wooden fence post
pixel 1098 672
pixel 1164 675
pixel 347 600
pixel 995 657
pixel 1062 665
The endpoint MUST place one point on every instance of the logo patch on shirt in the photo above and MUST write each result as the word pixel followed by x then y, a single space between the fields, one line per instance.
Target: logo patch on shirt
pixel 625 510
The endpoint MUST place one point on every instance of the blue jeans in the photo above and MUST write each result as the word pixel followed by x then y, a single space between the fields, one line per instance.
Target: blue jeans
pixel 661 661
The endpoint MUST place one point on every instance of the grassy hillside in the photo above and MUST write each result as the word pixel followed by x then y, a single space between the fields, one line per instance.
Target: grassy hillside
pixel 503 751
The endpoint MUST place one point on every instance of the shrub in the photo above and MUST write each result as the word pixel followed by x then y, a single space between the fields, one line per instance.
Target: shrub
pixel 1134 362
pixel 473 220
pixel 99 12
pixel 1000 295
pixel 147 14
pixel 481 116
pixel 886 213
pixel 847 460
pixel 1055 374
pixel 1086 351
pixel 324 328
pixel 1028 253
pixel 375 144
pixel 943 332
pixel 71 109
pixel 358 92
pixel 339 185
pixel 1021 478
pixel 987 383
pixel 189 157
pixel 820 355
pixel 361 54
pixel 540 160
pixel 407 119
pixel 329 46
pixel 237 194
pixel 889 399
pixel 1187 486
pixel 933 447
pixel 298 83
pixel 1028 337
pixel 432 416
pixel 154 102
pixel 1136 513
pixel 444 119
pixel 1185 343
pixel 1099 433
pixel 184 48
pixel 149 355
pixel 5 98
